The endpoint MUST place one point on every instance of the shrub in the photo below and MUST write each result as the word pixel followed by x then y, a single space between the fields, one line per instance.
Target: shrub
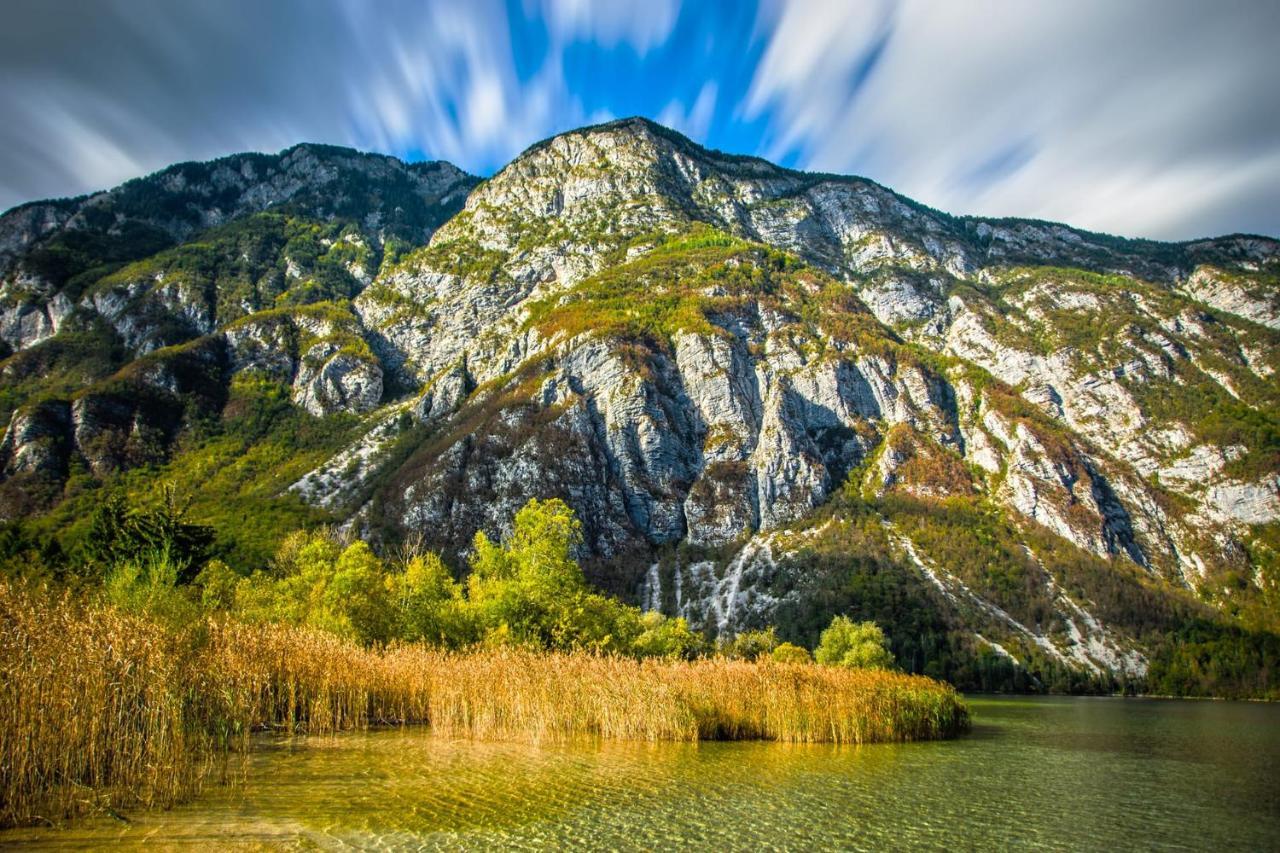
pixel 750 645
pixel 320 584
pixel 530 591
pixel 671 639
pixel 217 583
pixel 430 603
pixel 355 602
pixel 122 533
pixel 147 585
pixel 791 653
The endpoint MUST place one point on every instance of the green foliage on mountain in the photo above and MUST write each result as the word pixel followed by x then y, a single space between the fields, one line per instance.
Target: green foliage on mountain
pixel 1108 318
pixel 262 261
pixel 172 331
pixel 147 215
pixel 850 566
pixel 232 471
pixel 689 279
pixel 73 260
pixel 87 352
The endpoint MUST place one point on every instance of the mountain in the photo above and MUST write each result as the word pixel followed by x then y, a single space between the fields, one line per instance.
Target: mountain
pixel 1039 456
pixel 128 313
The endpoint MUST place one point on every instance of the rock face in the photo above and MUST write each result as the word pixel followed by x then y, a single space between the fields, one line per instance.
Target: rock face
pixel 34 441
pixel 99 294
pixel 745 379
pixel 1235 294
pixel 333 381
pixel 318 350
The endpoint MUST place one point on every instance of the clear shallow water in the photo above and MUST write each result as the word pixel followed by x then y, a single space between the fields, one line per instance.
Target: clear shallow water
pixel 1051 773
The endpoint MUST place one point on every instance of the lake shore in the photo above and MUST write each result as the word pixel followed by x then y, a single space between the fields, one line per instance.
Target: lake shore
pixel 1036 772
pixel 101 709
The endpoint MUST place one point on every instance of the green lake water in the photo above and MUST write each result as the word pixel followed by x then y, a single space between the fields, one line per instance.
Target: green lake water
pixel 1041 773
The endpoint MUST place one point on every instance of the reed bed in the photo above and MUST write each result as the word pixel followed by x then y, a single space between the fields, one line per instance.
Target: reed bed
pixel 93 710
pixel 516 694
pixel 100 709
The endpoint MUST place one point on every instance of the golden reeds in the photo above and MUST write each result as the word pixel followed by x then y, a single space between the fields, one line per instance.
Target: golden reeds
pixel 93 709
pixel 99 708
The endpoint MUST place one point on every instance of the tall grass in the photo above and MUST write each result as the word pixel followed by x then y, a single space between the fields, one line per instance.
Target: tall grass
pixel 99 709
pixel 95 710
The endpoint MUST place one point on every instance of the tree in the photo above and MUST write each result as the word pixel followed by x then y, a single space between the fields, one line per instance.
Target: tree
pixel 430 603
pixel 149 584
pixel 27 555
pixel 319 583
pixel 540 549
pixel 661 637
pixel 355 602
pixel 217 582
pixel 530 591
pixel 856 645
pixel 120 532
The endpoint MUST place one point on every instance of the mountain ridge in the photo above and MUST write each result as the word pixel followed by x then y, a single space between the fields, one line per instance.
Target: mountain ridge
pixel 817 176
pixel 622 123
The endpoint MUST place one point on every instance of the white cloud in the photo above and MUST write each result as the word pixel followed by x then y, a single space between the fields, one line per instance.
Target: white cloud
pixel 813 51
pixel 443 80
pixel 697 120
pixel 1149 117
pixel 643 25
pixel 173 82
pixel 1133 118
pixel 91 155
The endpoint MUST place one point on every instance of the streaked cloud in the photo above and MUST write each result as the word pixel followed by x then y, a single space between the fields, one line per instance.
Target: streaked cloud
pixel 695 120
pixel 642 25
pixel 1151 117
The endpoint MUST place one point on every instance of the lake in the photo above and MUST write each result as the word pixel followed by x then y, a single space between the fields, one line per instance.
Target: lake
pixel 1045 772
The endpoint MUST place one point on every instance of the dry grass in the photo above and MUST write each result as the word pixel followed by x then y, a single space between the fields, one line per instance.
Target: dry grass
pixel 513 694
pixel 94 710
pixel 99 708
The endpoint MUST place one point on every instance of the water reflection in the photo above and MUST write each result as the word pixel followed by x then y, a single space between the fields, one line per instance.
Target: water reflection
pixel 1052 773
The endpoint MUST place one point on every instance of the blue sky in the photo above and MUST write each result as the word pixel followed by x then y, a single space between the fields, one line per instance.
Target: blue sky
pixel 1156 118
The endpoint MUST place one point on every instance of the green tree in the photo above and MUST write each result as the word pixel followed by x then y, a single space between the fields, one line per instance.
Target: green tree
pixel 120 532
pixel 856 645
pixel 597 623
pixel 530 590
pixel 430 603
pixel 539 550
pixel 355 602
pixel 148 584
pixel 23 554
pixel 319 583
pixel 217 583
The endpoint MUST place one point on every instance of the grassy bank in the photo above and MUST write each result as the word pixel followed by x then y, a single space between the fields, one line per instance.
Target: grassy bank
pixel 100 708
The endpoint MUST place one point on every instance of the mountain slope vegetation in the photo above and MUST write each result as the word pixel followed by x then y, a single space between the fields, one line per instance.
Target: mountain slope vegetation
pixel 1039 458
